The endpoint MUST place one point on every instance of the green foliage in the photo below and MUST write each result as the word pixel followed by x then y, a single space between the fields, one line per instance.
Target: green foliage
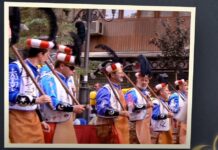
pixel 93 65
pixel 63 36
pixel 37 22
pixel 173 42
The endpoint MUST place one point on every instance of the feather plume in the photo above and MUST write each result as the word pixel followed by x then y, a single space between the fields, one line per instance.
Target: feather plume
pixel 100 68
pixel 81 31
pixel 78 39
pixel 162 78
pixel 14 18
pixel 52 23
pixel 76 47
pixel 145 68
pixel 115 57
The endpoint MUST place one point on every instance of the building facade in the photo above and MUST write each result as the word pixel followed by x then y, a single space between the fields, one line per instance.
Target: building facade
pixel 129 35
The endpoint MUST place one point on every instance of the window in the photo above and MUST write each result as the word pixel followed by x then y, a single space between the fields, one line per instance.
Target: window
pixel 108 14
pixel 147 13
pixel 130 14
pixel 184 13
pixel 166 14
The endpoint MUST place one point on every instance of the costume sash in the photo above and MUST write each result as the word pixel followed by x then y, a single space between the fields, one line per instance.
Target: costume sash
pixel 122 123
pixel 25 127
pixel 143 128
pixel 65 132
pixel 106 131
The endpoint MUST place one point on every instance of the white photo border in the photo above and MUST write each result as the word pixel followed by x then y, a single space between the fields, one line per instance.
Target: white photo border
pixel 192 10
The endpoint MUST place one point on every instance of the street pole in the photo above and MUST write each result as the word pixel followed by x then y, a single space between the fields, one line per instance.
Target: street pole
pixel 84 89
pixel 89 16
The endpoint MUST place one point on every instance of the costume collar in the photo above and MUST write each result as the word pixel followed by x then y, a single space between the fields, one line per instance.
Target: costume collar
pixel 117 86
pixel 34 69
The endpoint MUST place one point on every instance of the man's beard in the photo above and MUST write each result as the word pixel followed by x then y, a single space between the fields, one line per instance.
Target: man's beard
pixel 166 96
pixel 142 87
pixel 120 79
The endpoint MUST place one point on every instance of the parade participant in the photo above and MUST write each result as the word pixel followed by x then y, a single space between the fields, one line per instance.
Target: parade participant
pixel 92 103
pixel 24 123
pixel 109 110
pixel 64 66
pixel 161 115
pixel 72 83
pixel 140 109
pixel 92 97
pixel 97 86
pixel 177 104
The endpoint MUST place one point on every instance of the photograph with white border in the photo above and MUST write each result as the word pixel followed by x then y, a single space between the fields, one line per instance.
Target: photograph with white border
pixel 98 76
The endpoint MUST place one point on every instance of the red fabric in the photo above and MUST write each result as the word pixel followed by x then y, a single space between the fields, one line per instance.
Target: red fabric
pixel 28 42
pixel 86 134
pixel 67 50
pixel 49 135
pixel 67 58
pixel 44 44
pixel 114 67
pixel 115 136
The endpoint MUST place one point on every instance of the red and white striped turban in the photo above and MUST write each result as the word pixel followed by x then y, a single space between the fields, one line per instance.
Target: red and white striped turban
pixel 65 49
pixel 179 82
pixel 36 43
pixel 138 74
pixel 160 86
pixel 65 58
pixel 114 67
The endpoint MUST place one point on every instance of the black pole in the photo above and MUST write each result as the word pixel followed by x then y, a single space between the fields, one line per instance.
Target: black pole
pixel 84 89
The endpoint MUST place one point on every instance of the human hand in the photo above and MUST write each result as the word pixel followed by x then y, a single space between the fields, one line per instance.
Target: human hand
pixel 43 99
pixel 45 127
pixel 149 104
pixel 124 113
pixel 78 108
pixel 170 115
